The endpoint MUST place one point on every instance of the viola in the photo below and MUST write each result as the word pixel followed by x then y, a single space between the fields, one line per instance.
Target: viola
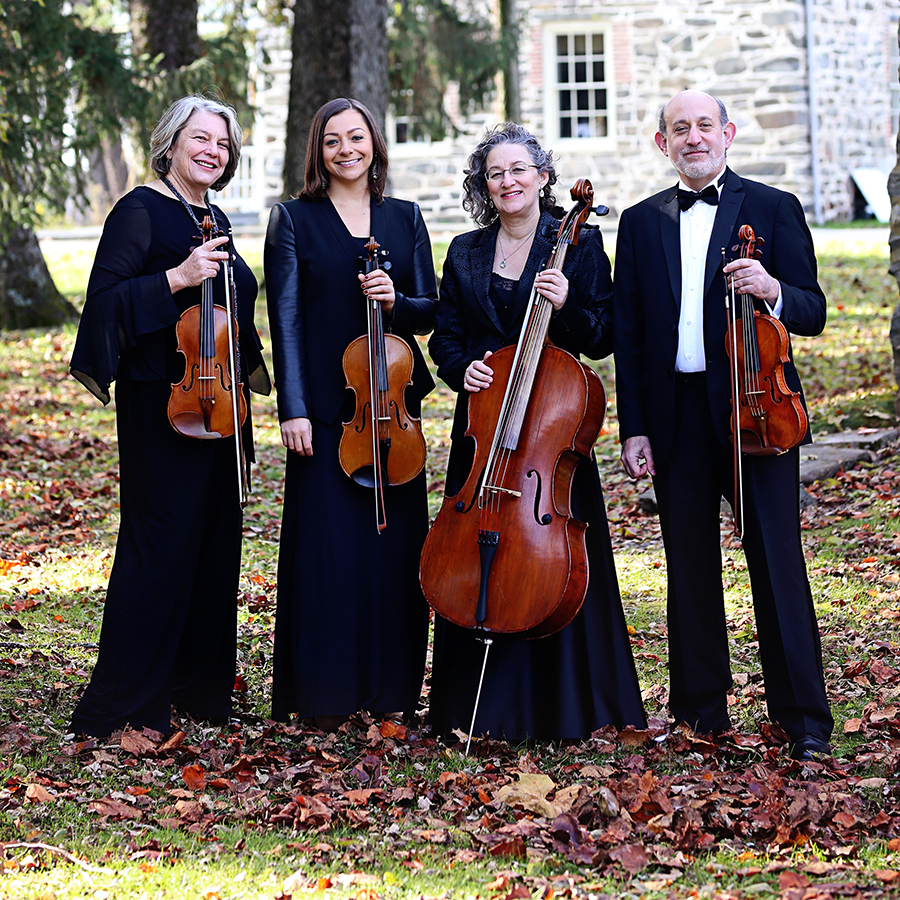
pixel 382 445
pixel 505 554
pixel 767 418
pixel 205 404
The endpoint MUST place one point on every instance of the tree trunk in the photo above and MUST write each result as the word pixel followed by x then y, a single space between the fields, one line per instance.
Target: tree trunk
pixel 337 50
pixel 168 27
pixel 894 191
pixel 509 26
pixel 28 296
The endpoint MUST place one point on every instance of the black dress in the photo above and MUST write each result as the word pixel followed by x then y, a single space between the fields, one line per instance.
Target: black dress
pixel 569 684
pixel 170 618
pixel 351 628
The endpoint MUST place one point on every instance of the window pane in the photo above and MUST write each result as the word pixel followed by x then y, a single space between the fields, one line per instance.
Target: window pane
pixel 598 68
pixel 597 44
pixel 402 134
pixel 583 99
pixel 565 101
pixel 565 127
pixel 600 126
pixel 600 99
pixel 581 72
pixel 562 73
pixel 584 127
pixel 580 44
pixel 562 44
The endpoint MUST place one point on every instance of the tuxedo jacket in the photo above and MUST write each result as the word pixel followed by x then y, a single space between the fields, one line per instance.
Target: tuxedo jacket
pixel 316 305
pixel 647 300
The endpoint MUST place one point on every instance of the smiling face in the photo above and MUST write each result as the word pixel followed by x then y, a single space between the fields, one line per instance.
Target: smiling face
pixel 695 139
pixel 514 196
pixel 347 150
pixel 199 155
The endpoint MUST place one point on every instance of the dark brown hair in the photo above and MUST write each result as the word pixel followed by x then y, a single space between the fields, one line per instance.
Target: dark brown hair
pixel 317 178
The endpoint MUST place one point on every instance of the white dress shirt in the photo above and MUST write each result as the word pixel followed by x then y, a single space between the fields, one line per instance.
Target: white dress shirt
pixel 696 226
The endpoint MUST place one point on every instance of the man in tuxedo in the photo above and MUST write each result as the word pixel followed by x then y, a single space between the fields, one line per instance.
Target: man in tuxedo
pixel 673 394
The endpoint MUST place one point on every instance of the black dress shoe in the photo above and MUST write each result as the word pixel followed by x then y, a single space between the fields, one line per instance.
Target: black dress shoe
pixel 808 747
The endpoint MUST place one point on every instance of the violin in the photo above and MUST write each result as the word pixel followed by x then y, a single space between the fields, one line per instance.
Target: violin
pixel 505 554
pixel 382 445
pixel 767 417
pixel 204 404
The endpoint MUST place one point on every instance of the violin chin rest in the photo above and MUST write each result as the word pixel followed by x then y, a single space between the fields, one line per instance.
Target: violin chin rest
pixel 364 476
pixel 191 424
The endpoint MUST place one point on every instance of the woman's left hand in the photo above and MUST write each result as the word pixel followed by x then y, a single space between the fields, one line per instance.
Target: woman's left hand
pixel 552 284
pixel 378 286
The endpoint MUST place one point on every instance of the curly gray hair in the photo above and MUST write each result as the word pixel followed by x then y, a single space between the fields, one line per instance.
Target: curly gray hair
pixel 476 196
pixel 172 123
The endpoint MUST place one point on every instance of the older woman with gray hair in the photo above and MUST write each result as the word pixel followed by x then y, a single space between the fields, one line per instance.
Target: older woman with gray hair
pixel 169 631
pixel 569 684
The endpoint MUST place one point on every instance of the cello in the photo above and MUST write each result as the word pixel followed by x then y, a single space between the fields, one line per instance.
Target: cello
pixel 382 444
pixel 204 404
pixel 504 554
pixel 767 417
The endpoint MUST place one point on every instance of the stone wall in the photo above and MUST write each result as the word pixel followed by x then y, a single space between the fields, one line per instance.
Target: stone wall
pixel 753 55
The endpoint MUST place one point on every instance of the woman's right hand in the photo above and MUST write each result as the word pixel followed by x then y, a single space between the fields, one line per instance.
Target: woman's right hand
pixel 296 435
pixel 202 263
pixel 478 376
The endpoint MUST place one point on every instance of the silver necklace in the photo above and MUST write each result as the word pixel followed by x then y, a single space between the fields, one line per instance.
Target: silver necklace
pixel 507 256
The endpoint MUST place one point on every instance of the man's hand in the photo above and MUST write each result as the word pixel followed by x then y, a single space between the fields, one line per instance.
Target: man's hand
pixel 637 456
pixel 750 277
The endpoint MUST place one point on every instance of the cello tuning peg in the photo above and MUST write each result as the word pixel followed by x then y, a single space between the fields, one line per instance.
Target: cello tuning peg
pixel 548 232
pixel 386 265
pixel 601 210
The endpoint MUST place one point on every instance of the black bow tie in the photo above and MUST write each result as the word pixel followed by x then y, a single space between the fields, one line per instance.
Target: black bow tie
pixel 686 199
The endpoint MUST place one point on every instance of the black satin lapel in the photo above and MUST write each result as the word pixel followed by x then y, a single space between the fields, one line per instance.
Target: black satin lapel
pixel 541 248
pixel 482 261
pixel 670 232
pixel 723 228
pixel 378 224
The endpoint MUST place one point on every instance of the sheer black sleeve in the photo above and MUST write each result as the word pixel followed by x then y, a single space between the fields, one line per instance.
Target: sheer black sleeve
pixel 123 302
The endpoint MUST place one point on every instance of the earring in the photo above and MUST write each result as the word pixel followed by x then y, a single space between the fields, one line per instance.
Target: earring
pixel 374 171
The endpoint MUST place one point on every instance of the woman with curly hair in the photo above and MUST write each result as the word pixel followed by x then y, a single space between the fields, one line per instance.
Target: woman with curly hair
pixel 569 684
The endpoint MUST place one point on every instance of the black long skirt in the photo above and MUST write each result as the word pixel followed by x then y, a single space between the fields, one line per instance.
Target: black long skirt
pixel 564 686
pixel 351 629
pixel 169 632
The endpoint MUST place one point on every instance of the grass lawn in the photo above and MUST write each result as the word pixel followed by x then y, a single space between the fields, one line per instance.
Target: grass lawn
pixel 262 810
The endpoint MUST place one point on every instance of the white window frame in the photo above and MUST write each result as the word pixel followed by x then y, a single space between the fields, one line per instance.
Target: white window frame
pixel 551 86
pixel 410 149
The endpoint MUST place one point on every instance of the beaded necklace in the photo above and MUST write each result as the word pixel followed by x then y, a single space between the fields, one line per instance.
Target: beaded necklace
pixel 187 205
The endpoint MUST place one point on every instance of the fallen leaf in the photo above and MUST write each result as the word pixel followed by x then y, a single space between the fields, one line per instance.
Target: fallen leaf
pixel 194 777
pixel 114 809
pixel 36 793
pixel 632 857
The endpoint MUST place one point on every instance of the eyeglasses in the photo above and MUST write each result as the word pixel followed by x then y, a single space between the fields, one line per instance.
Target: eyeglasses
pixel 517 171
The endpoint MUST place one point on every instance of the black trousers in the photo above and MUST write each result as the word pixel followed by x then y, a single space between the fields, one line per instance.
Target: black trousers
pixel 689 486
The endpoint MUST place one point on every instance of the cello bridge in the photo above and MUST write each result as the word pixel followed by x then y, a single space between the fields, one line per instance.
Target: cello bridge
pixel 502 490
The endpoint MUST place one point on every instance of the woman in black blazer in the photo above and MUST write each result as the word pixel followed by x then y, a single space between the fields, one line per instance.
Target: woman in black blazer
pixel 352 626
pixel 583 677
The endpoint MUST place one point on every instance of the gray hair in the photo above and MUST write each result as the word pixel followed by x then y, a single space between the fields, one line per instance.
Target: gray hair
pixel 476 197
pixel 723 114
pixel 172 123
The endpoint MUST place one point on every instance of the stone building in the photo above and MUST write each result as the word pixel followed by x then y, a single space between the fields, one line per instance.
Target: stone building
pixel 811 85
